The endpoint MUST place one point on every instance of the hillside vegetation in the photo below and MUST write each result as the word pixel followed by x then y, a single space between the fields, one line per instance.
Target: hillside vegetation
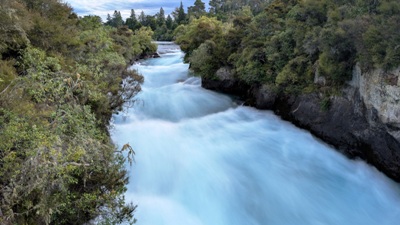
pixel 162 25
pixel 285 43
pixel 60 81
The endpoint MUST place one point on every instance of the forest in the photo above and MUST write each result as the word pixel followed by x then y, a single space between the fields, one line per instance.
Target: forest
pixel 63 76
pixel 284 44
pixel 60 81
pixel 287 44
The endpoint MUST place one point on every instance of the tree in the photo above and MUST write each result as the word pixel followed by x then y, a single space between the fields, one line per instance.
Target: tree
pixel 215 6
pixel 198 31
pixel 132 21
pixel 169 22
pixel 116 20
pixel 161 17
pixel 13 36
pixel 60 81
pixel 283 43
pixel 109 19
pixel 180 15
pixel 151 22
pixel 142 18
pixel 368 6
pixel 90 22
pixel 197 10
pixel 203 60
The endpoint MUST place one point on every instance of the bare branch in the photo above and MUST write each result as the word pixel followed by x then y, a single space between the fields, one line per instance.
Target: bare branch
pixel 5 89
pixel 75 164
pixel 131 152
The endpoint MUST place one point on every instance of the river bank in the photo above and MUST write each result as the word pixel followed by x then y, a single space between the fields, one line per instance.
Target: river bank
pixel 352 122
pixel 203 159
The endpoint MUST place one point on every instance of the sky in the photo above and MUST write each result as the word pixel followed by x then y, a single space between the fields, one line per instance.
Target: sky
pixel 149 7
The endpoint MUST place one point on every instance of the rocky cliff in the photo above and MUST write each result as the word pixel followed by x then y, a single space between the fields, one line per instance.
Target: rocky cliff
pixel 361 122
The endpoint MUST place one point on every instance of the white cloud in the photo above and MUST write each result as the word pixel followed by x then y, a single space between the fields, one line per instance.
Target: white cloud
pixel 101 7
pixel 104 7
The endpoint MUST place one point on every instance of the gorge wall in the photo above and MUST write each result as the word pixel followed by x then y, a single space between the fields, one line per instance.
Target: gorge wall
pixel 363 121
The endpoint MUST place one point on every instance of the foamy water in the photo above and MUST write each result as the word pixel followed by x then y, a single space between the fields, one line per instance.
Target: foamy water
pixel 201 159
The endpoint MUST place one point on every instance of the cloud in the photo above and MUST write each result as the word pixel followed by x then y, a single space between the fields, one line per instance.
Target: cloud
pixel 104 7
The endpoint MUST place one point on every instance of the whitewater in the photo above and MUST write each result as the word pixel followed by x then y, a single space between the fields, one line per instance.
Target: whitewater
pixel 204 159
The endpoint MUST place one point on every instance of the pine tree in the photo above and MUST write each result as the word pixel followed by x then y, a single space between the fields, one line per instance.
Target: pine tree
pixel 132 21
pixel 199 5
pixel 161 17
pixel 215 6
pixel 109 20
pixel 117 19
pixel 151 22
pixel 197 10
pixel 169 22
pixel 142 18
pixel 181 15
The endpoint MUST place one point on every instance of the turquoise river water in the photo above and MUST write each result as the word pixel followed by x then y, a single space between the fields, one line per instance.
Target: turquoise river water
pixel 202 159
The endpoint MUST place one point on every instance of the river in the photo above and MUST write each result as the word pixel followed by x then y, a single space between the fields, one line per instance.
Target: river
pixel 203 159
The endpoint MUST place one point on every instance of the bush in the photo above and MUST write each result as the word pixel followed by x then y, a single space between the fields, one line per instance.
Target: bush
pixel 58 90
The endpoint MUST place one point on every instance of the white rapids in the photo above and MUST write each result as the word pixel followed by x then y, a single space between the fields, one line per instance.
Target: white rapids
pixel 201 159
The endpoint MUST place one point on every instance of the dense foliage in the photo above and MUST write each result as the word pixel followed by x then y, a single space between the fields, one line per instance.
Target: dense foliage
pixel 289 43
pixel 162 26
pixel 61 78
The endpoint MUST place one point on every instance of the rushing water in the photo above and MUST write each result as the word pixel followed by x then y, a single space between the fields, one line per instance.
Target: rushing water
pixel 201 159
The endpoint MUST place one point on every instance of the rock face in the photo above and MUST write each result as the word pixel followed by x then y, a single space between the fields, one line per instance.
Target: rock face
pixel 226 83
pixel 364 122
pixel 264 97
pixel 381 91
pixel 349 125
